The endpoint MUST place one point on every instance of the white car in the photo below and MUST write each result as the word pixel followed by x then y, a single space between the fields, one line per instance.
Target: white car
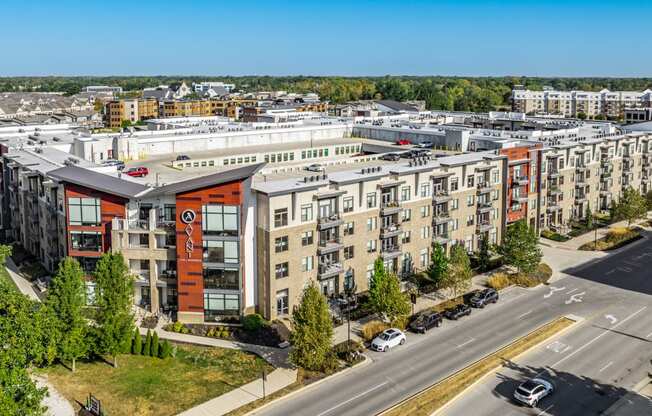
pixel 532 391
pixel 425 145
pixel 315 167
pixel 389 338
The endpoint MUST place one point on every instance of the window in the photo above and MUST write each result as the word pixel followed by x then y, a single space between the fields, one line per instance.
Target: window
pixel 349 280
pixel 425 211
pixel 281 270
pixel 307 264
pixel 169 213
pixel 494 176
pixel 282 302
pixel 86 241
pixel 405 193
pixel 84 211
pixel 371 246
pixel 221 251
pixel 561 163
pixel 454 185
pixel 423 258
pixel 306 213
pixel 455 224
pixel 348 204
pixel 469 181
pixel 469 220
pixel 407 215
pixel 281 244
pixel 220 220
pixel 406 237
pixel 425 190
pixel 349 228
pixel 227 279
pixel 455 204
pixel 372 223
pixel 281 217
pixel 306 238
pixel 370 273
pixel 425 232
pixel 216 304
pixel 348 252
pixel 371 200
pixel 470 200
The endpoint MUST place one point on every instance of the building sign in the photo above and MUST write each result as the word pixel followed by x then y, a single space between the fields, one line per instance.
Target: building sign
pixel 93 405
pixel 188 217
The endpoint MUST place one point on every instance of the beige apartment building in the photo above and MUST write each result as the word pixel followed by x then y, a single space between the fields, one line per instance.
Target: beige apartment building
pixel 330 227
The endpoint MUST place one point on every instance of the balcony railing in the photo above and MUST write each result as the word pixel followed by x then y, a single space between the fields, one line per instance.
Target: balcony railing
pixel 441 217
pixel 520 180
pixel 329 270
pixel 484 226
pixel 330 245
pixel 390 252
pixel 390 207
pixel 483 187
pixel 441 196
pixel 391 230
pixel 330 221
pixel 441 238
pixel 484 206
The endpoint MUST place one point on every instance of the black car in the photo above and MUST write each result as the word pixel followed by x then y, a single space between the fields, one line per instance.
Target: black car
pixel 391 156
pixel 425 321
pixel 483 298
pixel 183 157
pixel 457 312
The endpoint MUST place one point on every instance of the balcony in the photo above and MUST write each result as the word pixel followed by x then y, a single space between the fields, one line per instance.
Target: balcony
pixel 390 252
pixel 520 198
pixel 553 190
pixel 392 230
pixel 520 180
pixel 580 182
pixel 167 226
pixel 580 199
pixel 580 168
pixel 441 217
pixel 483 188
pixel 553 173
pixel 484 226
pixel 390 207
pixel 441 196
pixel 484 206
pixel 330 246
pixel 441 238
pixel 330 221
pixel 329 270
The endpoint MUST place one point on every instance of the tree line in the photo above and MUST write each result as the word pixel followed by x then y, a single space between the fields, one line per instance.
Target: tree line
pixel 439 92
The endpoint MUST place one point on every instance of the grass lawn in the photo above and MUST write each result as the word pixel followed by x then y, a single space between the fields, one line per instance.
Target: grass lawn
pixel 4 275
pixel 151 386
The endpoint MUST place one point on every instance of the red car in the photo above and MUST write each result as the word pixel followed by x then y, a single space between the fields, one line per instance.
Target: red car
pixel 138 172
pixel 403 142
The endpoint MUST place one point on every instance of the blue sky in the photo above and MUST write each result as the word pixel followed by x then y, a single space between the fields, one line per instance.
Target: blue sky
pixel 328 37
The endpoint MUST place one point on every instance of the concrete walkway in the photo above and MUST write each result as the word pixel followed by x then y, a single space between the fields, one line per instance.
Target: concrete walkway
pixel 576 242
pixel 24 285
pixel 56 404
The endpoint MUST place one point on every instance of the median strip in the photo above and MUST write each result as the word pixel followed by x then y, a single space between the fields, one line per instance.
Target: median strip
pixel 436 396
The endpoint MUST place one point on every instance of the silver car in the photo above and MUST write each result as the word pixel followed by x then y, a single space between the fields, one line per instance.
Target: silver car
pixel 532 391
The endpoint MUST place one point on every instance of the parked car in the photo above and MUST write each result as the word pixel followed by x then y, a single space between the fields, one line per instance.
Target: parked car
pixel 389 338
pixel 425 321
pixel 315 167
pixel 532 391
pixel 425 145
pixel 183 157
pixel 483 297
pixel 456 312
pixel 391 156
pixel 119 164
pixel 137 172
pixel 403 142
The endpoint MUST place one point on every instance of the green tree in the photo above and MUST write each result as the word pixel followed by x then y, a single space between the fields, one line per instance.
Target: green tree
pixel 114 291
pixel 312 331
pixel 631 206
pixel 125 123
pixel 385 297
pixel 137 343
pixel 5 251
pixel 438 263
pixel 166 350
pixel 581 116
pixel 484 257
pixel 520 247
pixel 589 217
pixel 147 349
pixel 648 199
pixel 66 299
pixel 458 278
pixel 155 345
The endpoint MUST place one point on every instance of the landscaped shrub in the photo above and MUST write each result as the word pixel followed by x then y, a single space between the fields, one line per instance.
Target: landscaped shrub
pixel 542 273
pixel 349 351
pixel 499 281
pixel 137 344
pixel 166 350
pixel 373 328
pixel 253 322
pixel 615 238
pixel 147 349
pixel 551 235
pixel 524 280
pixel 155 347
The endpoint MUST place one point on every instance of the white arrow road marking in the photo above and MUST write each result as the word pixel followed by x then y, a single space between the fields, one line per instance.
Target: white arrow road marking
pixel 576 298
pixel 553 289
pixel 611 319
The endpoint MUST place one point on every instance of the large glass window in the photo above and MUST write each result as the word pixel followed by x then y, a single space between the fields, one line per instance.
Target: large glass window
pixel 282 302
pixel 169 212
pixel 220 220
pixel 281 217
pixel 87 264
pixel 216 304
pixel 84 211
pixel 86 241
pixel 221 251
pixel 227 278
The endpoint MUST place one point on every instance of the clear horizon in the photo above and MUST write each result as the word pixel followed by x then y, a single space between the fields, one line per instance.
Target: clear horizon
pixel 550 39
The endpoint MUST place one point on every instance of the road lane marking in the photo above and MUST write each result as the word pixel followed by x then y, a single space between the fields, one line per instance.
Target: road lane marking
pixel 606 366
pixel 612 319
pixel 553 289
pixel 353 398
pixel 524 314
pixel 576 298
pixel 605 332
pixel 649 335
pixel 558 347
pixel 545 411
pixel 466 343
pixel 571 291
pixel 610 271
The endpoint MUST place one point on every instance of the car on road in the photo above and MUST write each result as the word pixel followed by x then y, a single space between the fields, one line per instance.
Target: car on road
pixel 425 145
pixel 391 156
pixel 137 172
pixel 425 321
pixel 183 157
pixel 532 391
pixel 315 167
pixel 483 297
pixel 456 312
pixel 119 164
pixel 403 142
pixel 387 339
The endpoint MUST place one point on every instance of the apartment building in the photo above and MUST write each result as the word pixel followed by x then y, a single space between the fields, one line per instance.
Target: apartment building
pixel 132 110
pixel 523 182
pixel 604 103
pixel 331 227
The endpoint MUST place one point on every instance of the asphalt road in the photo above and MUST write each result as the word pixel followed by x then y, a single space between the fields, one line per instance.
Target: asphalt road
pixel 428 358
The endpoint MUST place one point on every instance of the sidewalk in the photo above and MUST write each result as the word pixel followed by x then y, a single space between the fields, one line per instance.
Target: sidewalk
pixel 576 242
pixel 23 284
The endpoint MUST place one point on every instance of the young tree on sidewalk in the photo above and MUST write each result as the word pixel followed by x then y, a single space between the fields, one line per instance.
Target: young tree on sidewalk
pixel 484 258
pixel 458 278
pixel 312 331
pixel 114 287
pixel 631 206
pixel 438 264
pixel 385 296
pixel 520 247
pixel 66 300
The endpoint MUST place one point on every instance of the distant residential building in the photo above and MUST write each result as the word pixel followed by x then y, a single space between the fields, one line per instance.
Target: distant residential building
pixel 133 110
pixel 102 89
pixel 637 115
pixel 376 108
pixel 216 87
pixel 19 104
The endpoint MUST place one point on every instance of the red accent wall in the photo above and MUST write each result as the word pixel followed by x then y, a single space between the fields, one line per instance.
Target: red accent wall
pixel 518 153
pixel 111 207
pixel 190 281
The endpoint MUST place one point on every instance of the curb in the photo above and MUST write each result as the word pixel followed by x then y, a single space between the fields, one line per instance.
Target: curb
pixel 576 321
pixel 303 389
